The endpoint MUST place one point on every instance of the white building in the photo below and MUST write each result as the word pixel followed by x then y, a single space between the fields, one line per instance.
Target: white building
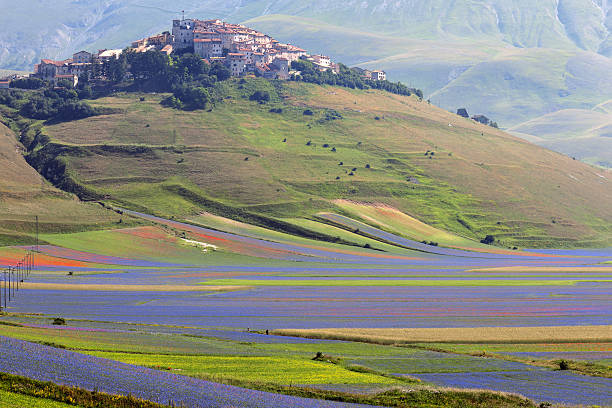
pixel 378 75
pixel 107 55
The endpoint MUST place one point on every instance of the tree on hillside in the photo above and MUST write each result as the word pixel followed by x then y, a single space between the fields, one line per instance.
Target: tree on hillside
pixel 192 66
pixel 220 71
pixel 148 65
pixel 115 70
pixel 28 83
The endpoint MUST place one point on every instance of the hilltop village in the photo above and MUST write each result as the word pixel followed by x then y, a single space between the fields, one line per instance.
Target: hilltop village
pixel 242 50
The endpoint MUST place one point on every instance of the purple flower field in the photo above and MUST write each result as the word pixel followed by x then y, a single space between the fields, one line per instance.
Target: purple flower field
pixel 539 385
pixel 92 373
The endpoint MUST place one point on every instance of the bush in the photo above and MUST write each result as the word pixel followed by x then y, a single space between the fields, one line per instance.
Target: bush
pixel 28 83
pixel 260 96
pixel 488 240
pixel 563 365
pixel 58 321
pixel 308 112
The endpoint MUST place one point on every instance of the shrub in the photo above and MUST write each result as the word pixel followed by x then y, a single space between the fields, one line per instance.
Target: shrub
pixel 28 83
pixel 563 365
pixel 463 113
pixel 308 112
pixel 260 96
pixel 58 321
pixel 488 240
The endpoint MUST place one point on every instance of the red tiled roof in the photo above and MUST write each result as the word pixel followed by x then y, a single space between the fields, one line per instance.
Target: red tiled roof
pixel 56 63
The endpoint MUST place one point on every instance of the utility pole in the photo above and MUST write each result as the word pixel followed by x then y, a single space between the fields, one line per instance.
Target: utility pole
pixel 37 233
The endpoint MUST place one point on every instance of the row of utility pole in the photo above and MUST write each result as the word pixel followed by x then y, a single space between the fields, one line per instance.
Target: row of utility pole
pixel 13 277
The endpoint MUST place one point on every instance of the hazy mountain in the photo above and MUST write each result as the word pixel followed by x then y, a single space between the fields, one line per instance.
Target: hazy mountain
pixel 513 60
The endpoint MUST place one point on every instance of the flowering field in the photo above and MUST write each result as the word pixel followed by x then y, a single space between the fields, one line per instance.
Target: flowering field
pixel 540 385
pixel 175 308
pixel 68 368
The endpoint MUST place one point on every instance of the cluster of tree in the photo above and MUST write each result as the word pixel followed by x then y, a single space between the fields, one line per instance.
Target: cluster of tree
pixel 478 118
pixel 28 83
pixel 347 77
pixel 186 75
pixel 57 103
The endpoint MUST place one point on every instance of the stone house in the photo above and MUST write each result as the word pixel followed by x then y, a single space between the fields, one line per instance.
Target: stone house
pixel 208 48
pixel 82 57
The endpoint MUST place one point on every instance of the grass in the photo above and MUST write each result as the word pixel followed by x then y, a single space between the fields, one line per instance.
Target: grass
pixel 276 370
pixel 25 194
pixel 12 400
pixel 120 158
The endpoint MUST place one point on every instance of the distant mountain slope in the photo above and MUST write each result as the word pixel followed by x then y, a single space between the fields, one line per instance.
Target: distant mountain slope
pixel 364 146
pixel 586 134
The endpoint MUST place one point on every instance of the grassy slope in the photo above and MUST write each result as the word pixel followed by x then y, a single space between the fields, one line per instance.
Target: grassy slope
pixel 25 194
pixel 483 74
pixel 206 152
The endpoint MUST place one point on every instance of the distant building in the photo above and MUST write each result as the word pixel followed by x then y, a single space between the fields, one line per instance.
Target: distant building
pixel 236 62
pixel 48 69
pixel 5 84
pixel 182 30
pixel 107 55
pixel 208 48
pixel 82 57
pixel 379 76
pixel 167 49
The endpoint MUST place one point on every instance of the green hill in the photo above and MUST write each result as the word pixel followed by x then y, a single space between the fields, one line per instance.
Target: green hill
pixel 24 194
pixel 241 159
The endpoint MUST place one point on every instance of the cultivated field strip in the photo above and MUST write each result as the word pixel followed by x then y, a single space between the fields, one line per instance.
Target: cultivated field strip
pixel 68 368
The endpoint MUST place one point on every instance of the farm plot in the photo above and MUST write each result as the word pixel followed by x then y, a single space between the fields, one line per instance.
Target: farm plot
pixel 539 385
pixel 69 368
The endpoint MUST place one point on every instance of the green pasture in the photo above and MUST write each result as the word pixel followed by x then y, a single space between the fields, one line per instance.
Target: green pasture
pixel 12 400
pixel 495 348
